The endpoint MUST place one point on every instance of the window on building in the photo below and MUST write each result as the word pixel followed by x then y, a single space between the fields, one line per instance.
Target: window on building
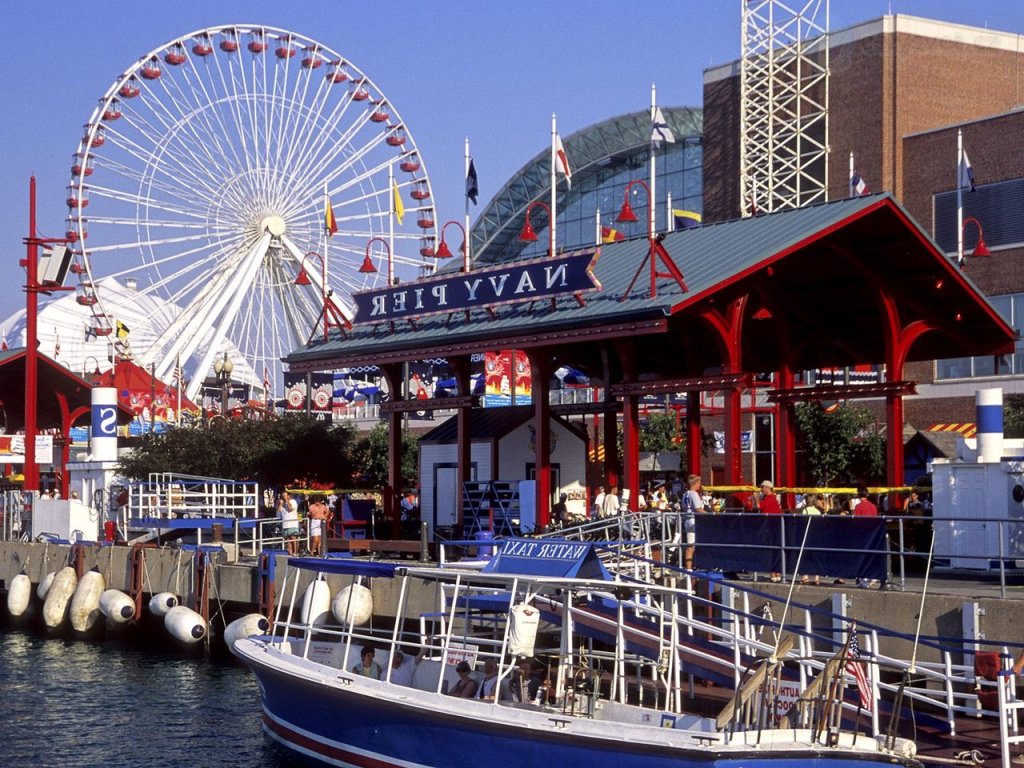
pixel 997 208
pixel 1011 308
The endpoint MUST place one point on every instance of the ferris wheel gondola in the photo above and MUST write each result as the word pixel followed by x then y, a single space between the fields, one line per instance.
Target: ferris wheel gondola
pixel 202 179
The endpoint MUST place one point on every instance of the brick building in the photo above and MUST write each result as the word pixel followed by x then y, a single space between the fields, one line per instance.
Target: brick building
pixel 900 89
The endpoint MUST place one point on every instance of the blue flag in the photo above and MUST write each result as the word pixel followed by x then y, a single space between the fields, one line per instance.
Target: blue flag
pixel 472 190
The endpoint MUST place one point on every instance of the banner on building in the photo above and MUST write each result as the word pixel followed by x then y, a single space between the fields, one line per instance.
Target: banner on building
pixel 507 379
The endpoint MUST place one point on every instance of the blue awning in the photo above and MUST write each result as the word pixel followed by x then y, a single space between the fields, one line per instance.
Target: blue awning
pixel 345 566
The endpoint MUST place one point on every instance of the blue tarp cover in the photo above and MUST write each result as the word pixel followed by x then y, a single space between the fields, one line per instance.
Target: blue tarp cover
pixel 839 546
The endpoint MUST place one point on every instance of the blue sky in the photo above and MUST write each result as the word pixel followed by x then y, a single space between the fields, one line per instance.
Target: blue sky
pixel 494 72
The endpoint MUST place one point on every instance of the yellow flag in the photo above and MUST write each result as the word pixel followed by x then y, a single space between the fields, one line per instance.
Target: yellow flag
pixel 399 207
pixel 122 331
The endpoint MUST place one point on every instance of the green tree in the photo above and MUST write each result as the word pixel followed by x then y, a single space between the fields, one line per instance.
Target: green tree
pixel 841 447
pixel 660 433
pixel 370 456
pixel 1013 416
pixel 272 452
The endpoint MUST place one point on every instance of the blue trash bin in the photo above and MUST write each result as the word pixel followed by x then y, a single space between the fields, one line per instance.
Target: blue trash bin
pixel 485 552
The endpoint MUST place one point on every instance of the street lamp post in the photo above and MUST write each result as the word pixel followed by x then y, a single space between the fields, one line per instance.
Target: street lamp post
pixel 329 311
pixel 223 368
pixel 33 288
pixel 655 250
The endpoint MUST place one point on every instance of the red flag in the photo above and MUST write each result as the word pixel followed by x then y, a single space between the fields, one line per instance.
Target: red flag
pixel 562 161
pixel 330 224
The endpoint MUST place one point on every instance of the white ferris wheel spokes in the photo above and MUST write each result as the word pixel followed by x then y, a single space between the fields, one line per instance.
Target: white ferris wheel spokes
pixel 201 182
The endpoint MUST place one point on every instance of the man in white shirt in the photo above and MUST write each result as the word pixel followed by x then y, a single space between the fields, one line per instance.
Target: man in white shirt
pixel 403 666
pixel 610 507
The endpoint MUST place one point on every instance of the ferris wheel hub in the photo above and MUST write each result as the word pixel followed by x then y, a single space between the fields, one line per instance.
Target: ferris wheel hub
pixel 274 225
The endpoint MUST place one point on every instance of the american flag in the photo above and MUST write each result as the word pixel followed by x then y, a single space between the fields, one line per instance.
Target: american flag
pixel 856 668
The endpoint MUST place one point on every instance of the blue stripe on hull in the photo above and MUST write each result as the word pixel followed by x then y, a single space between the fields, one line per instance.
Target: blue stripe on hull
pixel 343 728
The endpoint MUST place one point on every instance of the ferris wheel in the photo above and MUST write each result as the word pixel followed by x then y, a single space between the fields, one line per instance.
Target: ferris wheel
pixel 246 177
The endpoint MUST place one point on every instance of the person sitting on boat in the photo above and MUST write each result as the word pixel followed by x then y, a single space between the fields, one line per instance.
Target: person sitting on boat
pixel 489 685
pixel 465 687
pixel 403 666
pixel 525 683
pixel 367 667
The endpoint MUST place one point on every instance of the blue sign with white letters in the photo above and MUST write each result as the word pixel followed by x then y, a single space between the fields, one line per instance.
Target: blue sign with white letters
pixel 506 284
pixel 104 420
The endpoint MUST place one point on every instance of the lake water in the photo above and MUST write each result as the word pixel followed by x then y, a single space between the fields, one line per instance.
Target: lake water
pixel 120 703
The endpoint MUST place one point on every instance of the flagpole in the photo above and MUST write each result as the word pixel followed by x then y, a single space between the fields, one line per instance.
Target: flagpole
pixel 959 198
pixel 597 227
pixel 177 410
pixel 391 221
pixel 554 159
pixel 670 219
pixel 651 213
pixel 850 183
pixel 465 251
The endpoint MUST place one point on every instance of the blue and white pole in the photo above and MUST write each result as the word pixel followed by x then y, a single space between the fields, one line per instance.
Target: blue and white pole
pixel 989 405
pixel 103 432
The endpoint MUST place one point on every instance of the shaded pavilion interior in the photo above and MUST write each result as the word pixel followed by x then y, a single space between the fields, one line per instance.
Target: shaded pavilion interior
pixel 63 398
pixel 838 284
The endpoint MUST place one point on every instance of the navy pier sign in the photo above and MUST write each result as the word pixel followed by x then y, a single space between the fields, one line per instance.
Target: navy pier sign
pixel 505 284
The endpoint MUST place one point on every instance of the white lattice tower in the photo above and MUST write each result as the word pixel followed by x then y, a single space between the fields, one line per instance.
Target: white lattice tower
pixel 783 105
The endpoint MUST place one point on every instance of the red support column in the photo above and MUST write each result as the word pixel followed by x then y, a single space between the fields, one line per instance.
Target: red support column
pixel 732 414
pixel 898 341
pixel 693 433
pixel 540 371
pixel 785 437
pixel 630 426
pixel 396 386
pixel 610 438
pixel 463 435
pixel 31 264
pixel 729 326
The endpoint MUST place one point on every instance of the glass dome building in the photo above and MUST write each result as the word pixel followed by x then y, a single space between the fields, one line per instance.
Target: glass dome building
pixel 603 158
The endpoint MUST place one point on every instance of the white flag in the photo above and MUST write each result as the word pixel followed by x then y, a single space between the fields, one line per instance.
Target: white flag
pixel 965 173
pixel 562 162
pixel 659 129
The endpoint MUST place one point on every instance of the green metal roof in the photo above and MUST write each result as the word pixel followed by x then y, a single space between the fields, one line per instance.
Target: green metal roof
pixel 828 249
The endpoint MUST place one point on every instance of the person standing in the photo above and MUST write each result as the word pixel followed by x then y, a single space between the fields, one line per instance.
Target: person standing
pixel 865 507
pixel 768 502
pixel 610 507
pixel 598 502
pixel 693 502
pixel 318 514
pixel 289 511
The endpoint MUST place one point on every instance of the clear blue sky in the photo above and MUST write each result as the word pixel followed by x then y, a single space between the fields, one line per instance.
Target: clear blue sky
pixel 494 72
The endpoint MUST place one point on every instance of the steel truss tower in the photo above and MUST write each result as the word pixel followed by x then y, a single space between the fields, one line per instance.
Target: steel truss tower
pixel 783 105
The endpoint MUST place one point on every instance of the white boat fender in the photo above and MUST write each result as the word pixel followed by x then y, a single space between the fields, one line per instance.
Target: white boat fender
pixel 85 603
pixel 18 594
pixel 162 602
pixel 44 585
pixel 117 606
pixel 250 624
pixel 58 597
pixel 522 629
pixel 185 624
pixel 316 603
pixel 353 605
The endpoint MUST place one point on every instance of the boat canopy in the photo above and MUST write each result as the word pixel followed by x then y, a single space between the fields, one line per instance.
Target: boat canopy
pixel 346 566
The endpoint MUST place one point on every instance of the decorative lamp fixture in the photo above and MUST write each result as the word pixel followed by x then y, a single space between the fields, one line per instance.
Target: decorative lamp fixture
pixel 303 277
pixel 443 251
pixel 626 214
pixel 528 234
pixel 368 267
pixel 981 249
